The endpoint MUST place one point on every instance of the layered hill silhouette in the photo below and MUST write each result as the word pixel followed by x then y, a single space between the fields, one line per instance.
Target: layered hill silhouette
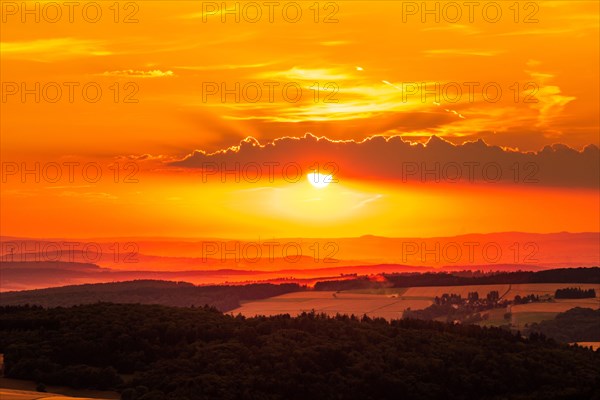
pixel 551 249
pixel 38 263
pixel 228 297
pixel 38 275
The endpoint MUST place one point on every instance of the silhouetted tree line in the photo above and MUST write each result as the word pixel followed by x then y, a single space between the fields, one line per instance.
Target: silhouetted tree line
pixel 574 293
pixel 561 275
pixel 362 282
pixel 199 353
pixel 451 307
pixel 448 299
pixel 530 298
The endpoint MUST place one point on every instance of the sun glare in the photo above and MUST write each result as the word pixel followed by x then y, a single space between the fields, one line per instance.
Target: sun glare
pixel 319 180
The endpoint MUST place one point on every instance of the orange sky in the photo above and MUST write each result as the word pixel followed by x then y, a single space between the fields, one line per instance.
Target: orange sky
pixel 172 59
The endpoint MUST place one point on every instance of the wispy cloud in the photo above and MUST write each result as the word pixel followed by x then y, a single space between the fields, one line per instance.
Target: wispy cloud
pixel 335 43
pixel 49 50
pixel 91 196
pixel 300 74
pixel 461 52
pixel 456 28
pixel 130 73
pixel 549 100
pixel 221 67
pixel 546 32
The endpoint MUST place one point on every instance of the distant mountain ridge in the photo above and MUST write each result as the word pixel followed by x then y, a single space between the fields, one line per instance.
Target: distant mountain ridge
pixel 36 263
pixel 38 275
pixel 561 249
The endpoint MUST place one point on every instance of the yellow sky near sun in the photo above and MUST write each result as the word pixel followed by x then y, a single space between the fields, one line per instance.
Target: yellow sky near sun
pixel 181 205
pixel 159 71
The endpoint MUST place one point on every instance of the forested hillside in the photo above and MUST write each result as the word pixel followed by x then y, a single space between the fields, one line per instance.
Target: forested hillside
pixel 575 325
pixel 561 275
pixel 181 294
pixel 199 353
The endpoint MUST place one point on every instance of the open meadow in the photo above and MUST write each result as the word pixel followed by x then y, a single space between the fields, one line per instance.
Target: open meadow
pixel 332 303
pixel 390 303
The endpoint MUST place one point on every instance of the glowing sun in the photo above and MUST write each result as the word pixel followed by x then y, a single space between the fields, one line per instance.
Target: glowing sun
pixel 319 180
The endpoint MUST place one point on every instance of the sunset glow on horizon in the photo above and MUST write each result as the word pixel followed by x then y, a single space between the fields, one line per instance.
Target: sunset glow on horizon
pixel 428 125
pixel 345 199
